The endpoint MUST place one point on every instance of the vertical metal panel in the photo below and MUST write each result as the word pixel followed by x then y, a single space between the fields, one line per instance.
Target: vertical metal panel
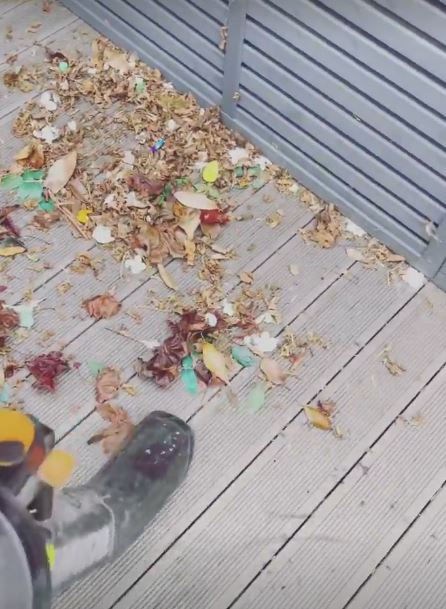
pixel 349 95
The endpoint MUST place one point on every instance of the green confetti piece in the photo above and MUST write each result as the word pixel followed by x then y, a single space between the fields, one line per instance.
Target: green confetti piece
pixel 213 193
pixel 33 175
pixel 258 183
pixel 188 375
pixel 200 186
pixel 11 182
pixel 63 67
pixel 254 171
pixel 95 367
pixel 140 86
pixel 47 205
pixel 30 191
pixel 239 171
pixel 5 393
pixel 243 356
pixel 25 313
pixel 256 398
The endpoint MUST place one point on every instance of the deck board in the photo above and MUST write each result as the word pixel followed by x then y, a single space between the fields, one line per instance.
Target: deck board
pixel 270 504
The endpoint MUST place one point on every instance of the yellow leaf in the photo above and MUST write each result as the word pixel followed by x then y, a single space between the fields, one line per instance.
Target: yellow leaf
pixel 318 418
pixel 215 362
pixel 57 468
pixel 83 214
pixel 60 172
pixel 167 277
pixel 210 172
pixel 194 200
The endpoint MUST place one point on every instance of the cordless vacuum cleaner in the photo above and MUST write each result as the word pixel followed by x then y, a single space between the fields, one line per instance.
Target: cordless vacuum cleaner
pixel 50 539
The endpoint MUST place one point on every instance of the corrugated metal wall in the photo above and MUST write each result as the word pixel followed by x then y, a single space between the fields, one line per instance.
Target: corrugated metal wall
pixel 348 94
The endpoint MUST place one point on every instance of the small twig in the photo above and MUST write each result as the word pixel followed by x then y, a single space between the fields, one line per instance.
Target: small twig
pixel 70 218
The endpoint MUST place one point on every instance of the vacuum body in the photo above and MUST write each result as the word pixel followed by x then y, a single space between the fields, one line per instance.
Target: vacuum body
pixel 57 539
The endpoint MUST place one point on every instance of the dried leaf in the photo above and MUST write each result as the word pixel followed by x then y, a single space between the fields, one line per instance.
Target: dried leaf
pixel 57 468
pixel 117 60
pixel 189 222
pixel 102 306
pixel 293 269
pixel 108 382
pixel 46 368
pixel 117 434
pixel 31 154
pixel 166 277
pixel 272 370
pixel 60 172
pixel 392 366
pixel 11 247
pixel 246 277
pixel 318 418
pixel 145 186
pixel 194 200
pixel 49 100
pixel 48 134
pixel 215 362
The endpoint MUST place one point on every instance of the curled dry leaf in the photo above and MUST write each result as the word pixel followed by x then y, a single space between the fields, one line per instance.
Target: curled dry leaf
pixel 167 277
pixel 46 368
pixel 145 186
pixel 327 229
pixel 9 320
pixel 318 418
pixel 195 200
pixel 45 219
pixel 189 222
pixel 32 155
pixel 118 433
pixel 102 306
pixel 108 382
pixel 60 172
pixel 272 370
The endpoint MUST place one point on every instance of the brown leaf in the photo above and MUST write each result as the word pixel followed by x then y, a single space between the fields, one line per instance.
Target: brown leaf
pixel 392 366
pixel 246 277
pixel 189 222
pixel 102 306
pixel 318 418
pixel 144 186
pixel 194 200
pixel 108 383
pixel 31 154
pixel 9 319
pixel 166 277
pixel 272 370
pixel 60 172
pixel 327 229
pixel 117 434
pixel 45 219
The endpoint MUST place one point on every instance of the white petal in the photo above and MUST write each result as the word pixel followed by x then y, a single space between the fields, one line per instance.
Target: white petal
pixel 102 234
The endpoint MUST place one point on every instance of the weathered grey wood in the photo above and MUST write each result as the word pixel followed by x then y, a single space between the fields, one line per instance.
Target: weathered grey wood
pixel 358 524
pixel 22 17
pixel 412 574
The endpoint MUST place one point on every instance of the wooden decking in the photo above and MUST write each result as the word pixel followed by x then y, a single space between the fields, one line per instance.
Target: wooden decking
pixel 274 513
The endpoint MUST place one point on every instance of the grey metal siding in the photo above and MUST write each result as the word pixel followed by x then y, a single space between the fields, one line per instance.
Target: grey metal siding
pixel 349 95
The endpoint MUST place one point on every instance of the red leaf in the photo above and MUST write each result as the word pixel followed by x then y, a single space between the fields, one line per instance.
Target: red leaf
pixel 213 216
pixel 46 368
